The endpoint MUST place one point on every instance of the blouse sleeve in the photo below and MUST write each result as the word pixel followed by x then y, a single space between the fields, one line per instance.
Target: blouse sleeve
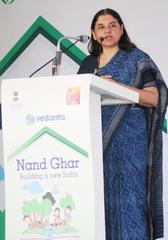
pixel 88 65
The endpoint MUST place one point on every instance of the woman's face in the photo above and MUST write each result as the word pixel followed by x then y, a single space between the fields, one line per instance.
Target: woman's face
pixel 107 27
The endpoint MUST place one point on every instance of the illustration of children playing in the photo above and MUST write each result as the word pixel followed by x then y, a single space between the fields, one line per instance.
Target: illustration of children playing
pixel 49 217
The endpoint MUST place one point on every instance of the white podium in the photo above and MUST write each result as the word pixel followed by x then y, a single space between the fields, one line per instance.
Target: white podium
pixel 53 155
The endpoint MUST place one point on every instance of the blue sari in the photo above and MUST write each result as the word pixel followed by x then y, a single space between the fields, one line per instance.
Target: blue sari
pixel 132 157
pixel 125 177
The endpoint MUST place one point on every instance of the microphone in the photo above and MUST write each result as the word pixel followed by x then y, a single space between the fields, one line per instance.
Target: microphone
pixel 101 39
pixel 81 38
pixel 57 60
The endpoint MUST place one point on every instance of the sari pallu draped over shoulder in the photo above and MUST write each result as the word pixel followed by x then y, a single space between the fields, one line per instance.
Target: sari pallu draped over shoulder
pixel 148 75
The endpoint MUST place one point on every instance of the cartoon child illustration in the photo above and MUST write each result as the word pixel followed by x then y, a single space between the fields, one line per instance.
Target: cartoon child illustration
pixel 57 217
pixel 67 215
pixel 28 221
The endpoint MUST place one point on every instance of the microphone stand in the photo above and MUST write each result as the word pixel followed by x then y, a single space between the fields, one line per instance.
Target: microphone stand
pixel 52 59
pixel 57 60
pixel 56 63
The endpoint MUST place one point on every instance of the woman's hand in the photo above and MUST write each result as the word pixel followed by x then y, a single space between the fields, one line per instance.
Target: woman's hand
pixel 107 77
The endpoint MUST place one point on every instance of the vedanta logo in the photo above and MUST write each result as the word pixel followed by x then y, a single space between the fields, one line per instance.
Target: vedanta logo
pixel 7 1
pixel 31 119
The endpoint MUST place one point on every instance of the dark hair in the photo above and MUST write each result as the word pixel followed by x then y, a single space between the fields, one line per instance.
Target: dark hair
pixel 124 42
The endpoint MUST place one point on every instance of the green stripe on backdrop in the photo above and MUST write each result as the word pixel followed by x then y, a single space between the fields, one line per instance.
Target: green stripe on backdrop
pixel 40 26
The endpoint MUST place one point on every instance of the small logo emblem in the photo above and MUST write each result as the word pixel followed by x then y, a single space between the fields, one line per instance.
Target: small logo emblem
pixel 73 96
pixel 15 96
pixel 30 119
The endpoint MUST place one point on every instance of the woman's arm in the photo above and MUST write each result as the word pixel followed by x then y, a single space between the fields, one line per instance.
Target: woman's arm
pixel 148 96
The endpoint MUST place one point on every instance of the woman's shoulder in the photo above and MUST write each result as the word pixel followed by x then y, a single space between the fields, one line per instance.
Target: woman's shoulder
pixel 136 55
pixel 139 54
pixel 88 65
pixel 141 58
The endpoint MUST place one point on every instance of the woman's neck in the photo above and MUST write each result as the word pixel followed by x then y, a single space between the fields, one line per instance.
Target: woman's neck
pixel 109 52
pixel 106 55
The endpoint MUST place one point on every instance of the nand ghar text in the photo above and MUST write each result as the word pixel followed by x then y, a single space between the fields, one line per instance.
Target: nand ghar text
pixel 53 163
